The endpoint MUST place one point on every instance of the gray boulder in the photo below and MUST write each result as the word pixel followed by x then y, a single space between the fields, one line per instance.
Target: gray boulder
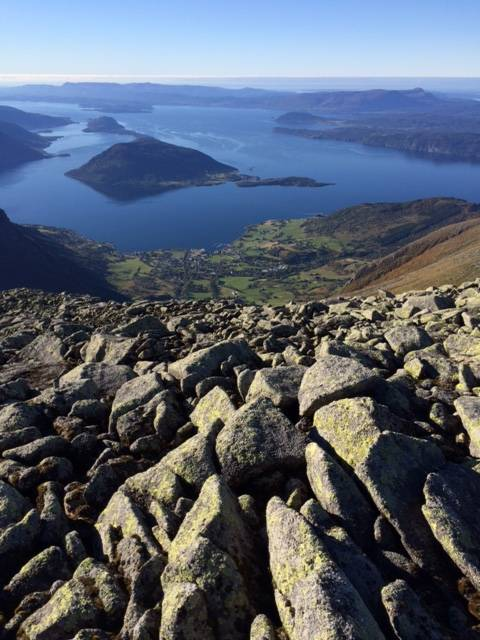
pixel 206 362
pixel 333 378
pixel 314 597
pixel 468 409
pixel 107 377
pixel 408 617
pixel 407 337
pixel 338 493
pixel 258 439
pixel 451 510
pixel 280 384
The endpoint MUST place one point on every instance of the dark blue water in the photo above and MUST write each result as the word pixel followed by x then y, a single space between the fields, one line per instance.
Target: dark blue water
pixel 206 216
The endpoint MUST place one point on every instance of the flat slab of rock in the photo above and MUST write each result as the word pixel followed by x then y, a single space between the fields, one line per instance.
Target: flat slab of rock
pixel 451 508
pixel 468 409
pixel 353 425
pixel 205 362
pixel 333 378
pixel 109 349
pixel 338 493
pixel 460 346
pixel 257 439
pixel 107 377
pixel 394 473
pixel 280 384
pixel 429 302
pixel 407 337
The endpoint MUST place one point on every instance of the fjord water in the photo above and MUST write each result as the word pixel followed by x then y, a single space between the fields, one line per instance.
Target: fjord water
pixel 40 193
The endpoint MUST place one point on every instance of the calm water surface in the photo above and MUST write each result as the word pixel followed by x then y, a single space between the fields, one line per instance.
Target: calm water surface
pixel 208 216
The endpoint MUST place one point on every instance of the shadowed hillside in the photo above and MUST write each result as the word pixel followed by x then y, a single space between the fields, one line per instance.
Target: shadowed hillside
pixel 30 259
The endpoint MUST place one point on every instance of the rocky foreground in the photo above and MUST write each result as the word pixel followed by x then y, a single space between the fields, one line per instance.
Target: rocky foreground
pixel 205 470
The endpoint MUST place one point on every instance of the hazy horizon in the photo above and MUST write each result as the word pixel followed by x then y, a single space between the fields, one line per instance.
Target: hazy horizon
pixel 279 83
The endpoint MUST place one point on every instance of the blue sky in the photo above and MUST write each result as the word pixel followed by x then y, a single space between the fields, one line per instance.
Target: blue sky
pixel 128 38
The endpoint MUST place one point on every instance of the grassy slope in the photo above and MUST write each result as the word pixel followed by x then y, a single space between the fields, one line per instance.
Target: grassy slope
pixel 450 254
pixel 279 260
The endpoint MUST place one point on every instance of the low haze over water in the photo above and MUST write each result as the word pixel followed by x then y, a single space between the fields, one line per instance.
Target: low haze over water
pixel 207 216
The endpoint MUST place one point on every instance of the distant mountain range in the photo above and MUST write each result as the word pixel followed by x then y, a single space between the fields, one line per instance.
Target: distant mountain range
pixel 113 97
pixel 18 142
pixel 32 259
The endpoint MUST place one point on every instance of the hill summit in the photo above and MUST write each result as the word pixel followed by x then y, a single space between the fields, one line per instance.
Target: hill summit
pixel 148 166
pixel 210 470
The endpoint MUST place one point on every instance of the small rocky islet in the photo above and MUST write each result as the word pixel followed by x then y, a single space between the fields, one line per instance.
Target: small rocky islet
pixel 204 470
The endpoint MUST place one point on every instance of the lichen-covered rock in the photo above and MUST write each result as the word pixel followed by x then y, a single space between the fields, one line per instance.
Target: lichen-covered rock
pixel 435 362
pixel 357 566
pixel 461 346
pixel 262 629
pixel 468 409
pixel 313 595
pixel 13 506
pixel 352 426
pixel 17 541
pixel 407 337
pixel 217 516
pixel 258 439
pixel 92 596
pixel 212 411
pixel 333 378
pixel 144 324
pixel 35 451
pixel 215 574
pixel 134 393
pixel 394 472
pixel 281 385
pixel 185 614
pixel 338 493
pixel 451 509
pixel 158 449
pixel 408 617
pixel 18 415
pixel 157 484
pixel 192 461
pixel 121 518
pixel 109 349
pixel 39 573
